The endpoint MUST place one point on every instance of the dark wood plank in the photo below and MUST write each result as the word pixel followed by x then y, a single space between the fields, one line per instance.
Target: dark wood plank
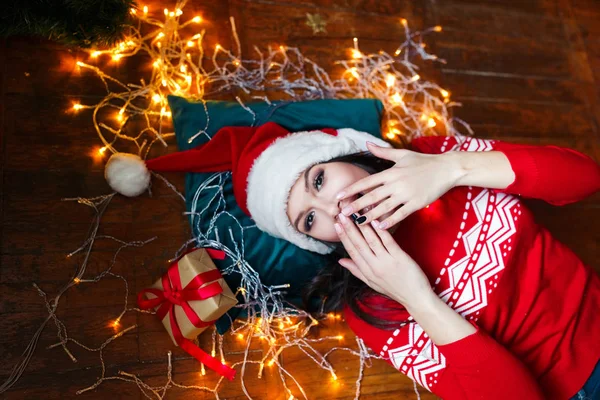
pixel 472 87
pixel 480 17
pixel 526 120
pixel 536 7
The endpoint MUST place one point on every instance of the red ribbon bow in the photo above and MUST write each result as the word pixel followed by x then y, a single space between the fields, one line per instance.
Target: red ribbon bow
pixel 174 295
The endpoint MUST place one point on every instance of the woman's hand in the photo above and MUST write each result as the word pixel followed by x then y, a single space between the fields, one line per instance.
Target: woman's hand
pixel 416 181
pixel 377 260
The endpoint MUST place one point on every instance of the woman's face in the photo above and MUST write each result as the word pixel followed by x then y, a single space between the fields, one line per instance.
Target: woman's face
pixel 312 206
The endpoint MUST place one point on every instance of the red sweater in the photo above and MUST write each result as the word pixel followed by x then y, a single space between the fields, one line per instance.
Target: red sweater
pixel 535 304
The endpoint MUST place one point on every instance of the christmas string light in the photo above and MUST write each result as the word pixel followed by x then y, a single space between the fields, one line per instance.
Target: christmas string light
pixel 413 105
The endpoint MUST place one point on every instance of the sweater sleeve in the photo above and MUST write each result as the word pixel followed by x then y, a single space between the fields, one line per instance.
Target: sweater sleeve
pixel 478 367
pixel 475 367
pixel 554 174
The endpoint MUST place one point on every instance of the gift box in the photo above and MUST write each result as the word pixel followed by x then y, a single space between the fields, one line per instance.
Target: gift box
pixel 190 297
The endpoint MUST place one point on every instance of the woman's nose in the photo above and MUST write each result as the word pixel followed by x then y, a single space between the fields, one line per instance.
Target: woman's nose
pixel 335 208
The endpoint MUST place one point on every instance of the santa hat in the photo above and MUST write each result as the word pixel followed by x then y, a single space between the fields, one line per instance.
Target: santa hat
pixel 265 163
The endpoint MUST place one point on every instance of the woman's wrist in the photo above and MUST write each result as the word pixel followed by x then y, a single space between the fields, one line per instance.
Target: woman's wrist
pixel 423 305
pixel 458 167
pixel 487 169
pixel 440 321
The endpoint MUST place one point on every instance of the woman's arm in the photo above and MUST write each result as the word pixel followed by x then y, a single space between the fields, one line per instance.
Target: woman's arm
pixel 441 322
pixel 472 367
pixel 489 169
pixel 554 174
pixel 437 164
pixel 475 365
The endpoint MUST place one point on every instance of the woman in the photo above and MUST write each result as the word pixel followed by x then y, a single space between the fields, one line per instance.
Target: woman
pixel 493 306
pixel 467 296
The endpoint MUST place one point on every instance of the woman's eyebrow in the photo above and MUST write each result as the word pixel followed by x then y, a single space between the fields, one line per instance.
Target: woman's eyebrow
pixel 306 173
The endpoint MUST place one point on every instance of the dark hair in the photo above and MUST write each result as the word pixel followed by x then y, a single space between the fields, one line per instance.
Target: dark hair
pixel 335 286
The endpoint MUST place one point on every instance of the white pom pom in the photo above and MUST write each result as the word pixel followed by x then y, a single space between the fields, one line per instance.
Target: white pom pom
pixel 127 174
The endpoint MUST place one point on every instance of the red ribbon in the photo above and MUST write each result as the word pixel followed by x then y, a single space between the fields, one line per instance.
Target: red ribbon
pixel 173 294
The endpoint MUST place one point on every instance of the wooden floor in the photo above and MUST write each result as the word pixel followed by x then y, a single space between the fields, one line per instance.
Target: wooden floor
pixel 526 71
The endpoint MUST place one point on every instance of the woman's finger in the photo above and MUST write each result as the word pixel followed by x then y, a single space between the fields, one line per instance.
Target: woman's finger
pixel 352 251
pixel 387 153
pixel 387 240
pixel 385 207
pixel 358 250
pixel 373 197
pixel 373 240
pixel 363 185
pixel 353 268
pixel 403 212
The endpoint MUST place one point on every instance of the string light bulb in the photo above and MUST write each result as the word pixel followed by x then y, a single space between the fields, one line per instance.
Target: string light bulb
pixel 431 123
pixel 396 98
pixel 392 133
pixel 77 106
pixel 197 19
pixel 390 80
pixel 76 281
pixel 437 28
pixel 356 54
pixel 445 93
pixel 145 9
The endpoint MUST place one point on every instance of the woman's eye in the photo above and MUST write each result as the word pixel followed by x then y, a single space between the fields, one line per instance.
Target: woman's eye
pixel 310 218
pixel 319 180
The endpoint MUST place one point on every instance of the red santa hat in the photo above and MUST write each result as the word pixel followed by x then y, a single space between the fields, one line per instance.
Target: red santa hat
pixel 265 163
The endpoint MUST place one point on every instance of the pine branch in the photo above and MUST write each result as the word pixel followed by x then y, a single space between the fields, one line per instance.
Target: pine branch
pixel 82 23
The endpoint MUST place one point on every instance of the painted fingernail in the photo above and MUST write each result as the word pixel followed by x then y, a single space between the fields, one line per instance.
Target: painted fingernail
pixel 383 225
pixel 347 210
pixel 361 220
pixel 374 223
pixel 338 228
pixel 354 217
pixel 343 219
pixel 340 195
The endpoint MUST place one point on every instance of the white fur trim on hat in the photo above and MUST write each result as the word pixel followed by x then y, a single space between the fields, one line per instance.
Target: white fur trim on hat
pixel 278 167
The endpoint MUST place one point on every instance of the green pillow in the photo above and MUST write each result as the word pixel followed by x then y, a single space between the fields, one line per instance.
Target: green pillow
pixel 276 261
